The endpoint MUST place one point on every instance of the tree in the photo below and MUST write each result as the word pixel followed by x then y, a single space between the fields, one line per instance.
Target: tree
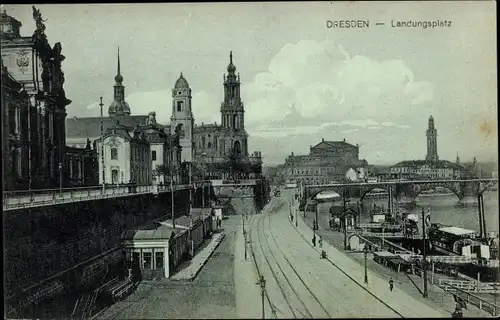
pixel 234 163
pixel 167 171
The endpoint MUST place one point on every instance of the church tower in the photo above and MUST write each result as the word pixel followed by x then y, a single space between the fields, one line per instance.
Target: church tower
pixel 232 111
pixel 119 107
pixel 432 154
pixel 182 121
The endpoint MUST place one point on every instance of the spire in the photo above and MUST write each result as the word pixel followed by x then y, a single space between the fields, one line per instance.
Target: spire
pixel 118 78
pixel 231 68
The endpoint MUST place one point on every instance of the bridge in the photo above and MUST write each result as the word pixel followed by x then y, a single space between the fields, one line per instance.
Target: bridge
pixel 400 188
pixel 20 199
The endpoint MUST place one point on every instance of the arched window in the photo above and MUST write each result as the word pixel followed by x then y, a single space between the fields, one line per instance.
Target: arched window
pixel 179 130
pixel 114 176
pixel 234 122
pixel 237 147
pixel 114 154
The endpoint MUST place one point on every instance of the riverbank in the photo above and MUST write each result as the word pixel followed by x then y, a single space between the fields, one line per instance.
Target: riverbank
pixel 409 283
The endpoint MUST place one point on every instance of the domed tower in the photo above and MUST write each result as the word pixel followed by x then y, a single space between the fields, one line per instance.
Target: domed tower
pixel 119 107
pixel 432 154
pixel 182 121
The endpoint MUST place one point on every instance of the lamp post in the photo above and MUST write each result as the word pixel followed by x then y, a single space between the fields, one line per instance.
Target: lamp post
pixel 296 217
pixel 60 178
pixel 424 257
pixel 102 149
pixel 365 251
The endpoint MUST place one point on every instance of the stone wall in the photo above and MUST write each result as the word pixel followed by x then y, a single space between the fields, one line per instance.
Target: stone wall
pixel 50 241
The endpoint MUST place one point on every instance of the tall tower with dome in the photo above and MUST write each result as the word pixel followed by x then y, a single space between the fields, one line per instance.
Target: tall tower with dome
pixel 119 107
pixel 182 120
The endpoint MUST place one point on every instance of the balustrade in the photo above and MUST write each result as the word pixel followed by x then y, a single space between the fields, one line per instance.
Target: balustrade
pixel 13 200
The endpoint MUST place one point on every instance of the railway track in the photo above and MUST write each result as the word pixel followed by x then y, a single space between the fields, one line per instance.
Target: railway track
pixel 321 284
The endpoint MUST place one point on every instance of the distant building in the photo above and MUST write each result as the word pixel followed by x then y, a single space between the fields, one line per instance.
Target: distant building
pixel 432 153
pixel 431 167
pixel 356 173
pixel 327 162
pixel 421 169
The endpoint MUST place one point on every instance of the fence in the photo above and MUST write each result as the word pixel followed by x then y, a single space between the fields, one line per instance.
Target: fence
pixel 482 304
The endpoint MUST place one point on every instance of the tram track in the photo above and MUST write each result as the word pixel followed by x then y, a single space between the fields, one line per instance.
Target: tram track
pixel 321 284
pixel 347 275
pixel 259 272
pixel 275 276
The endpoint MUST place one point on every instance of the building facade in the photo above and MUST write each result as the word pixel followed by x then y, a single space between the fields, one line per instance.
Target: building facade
pixel 327 162
pixel 36 67
pixel 223 149
pixel 127 139
pixel 82 166
pixel 126 157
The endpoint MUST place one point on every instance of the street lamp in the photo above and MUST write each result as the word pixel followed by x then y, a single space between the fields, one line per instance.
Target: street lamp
pixel 60 178
pixel 102 149
pixel 365 251
pixel 424 257
pixel 296 217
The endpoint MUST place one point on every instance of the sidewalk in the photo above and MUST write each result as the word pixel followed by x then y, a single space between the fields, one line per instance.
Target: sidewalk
pixel 397 299
pixel 198 261
pixel 248 296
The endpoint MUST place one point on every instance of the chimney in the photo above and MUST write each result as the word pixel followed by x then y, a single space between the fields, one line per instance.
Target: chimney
pixel 322 139
pixel 344 139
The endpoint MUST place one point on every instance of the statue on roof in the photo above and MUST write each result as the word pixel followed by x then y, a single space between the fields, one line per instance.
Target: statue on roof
pixel 37 16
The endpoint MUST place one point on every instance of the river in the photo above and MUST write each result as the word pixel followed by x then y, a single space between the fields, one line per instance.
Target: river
pixel 444 209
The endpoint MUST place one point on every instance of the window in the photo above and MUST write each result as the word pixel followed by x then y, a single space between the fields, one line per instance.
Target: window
pixel 114 154
pixel 146 260
pixel 159 260
pixel 209 144
pixel 179 105
pixel 153 155
pixel 114 176
pixel 12 120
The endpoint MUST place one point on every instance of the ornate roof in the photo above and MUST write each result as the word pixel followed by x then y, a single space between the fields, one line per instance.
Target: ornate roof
pixel 441 164
pixel 119 107
pixel 332 144
pixel 181 83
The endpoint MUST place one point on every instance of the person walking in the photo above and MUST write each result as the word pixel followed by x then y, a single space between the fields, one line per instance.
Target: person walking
pixel 320 242
pixel 314 240
pixel 391 284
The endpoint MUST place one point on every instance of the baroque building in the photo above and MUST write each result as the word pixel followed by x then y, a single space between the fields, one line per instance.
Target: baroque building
pixel 222 150
pixel 327 162
pixel 135 146
pixel 38 109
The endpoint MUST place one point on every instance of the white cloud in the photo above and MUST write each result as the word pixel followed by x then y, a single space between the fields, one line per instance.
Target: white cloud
pixel 322 79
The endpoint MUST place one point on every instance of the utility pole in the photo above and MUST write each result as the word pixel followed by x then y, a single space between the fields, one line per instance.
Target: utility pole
pixel 424 260
pixel 102 149
pixel 171 169
pixel 244 236
pixel 345 218
pixel 296 218
pixel 262 283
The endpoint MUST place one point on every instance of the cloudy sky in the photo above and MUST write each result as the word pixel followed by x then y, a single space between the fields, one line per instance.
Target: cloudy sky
pixel 301 81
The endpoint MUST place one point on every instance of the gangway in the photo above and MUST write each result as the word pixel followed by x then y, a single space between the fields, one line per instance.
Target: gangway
pixel 471 286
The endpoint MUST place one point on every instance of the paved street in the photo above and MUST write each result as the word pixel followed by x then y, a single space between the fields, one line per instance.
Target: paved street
pixel 210 295
pixel 300 284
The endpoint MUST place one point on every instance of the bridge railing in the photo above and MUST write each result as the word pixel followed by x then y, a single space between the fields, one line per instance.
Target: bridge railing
pixel 19 199
pixel 481 303
pixel 471 286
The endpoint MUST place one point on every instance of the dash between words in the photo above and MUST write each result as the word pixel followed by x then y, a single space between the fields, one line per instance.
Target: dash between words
pixel 345 24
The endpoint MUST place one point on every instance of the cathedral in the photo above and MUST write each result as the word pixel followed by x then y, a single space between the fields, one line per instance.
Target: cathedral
pixel 216 151
pixel 214 147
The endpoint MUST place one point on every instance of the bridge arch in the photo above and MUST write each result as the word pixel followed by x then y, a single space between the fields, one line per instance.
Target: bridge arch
pixel 452 187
